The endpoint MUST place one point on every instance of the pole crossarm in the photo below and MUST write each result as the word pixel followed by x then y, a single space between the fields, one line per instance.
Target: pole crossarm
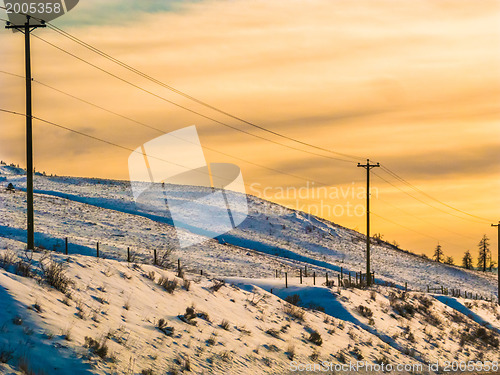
pixel 498 260
pixel 368 167
pixel 26 29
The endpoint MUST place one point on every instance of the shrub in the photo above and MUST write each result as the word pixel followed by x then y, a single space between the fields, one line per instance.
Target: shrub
pixel 225 325
pixel 23 269
pixel 315 338
pixel 294 312
pixel 217 285
pixel 54 275
pixel 314 355
pixel 167 284
pixel 7 258
pixel 189 316
pixel 357 354
pixel 290 352
pixel 373 295
pixel 382 360
pixel 163 257
pixel 162 326
pixel 6 354
pixel 186 284
pixel 365 311
pixel 294 299
pixel 17 320
pixel 98 348
pixel 147 372
pixel 274 333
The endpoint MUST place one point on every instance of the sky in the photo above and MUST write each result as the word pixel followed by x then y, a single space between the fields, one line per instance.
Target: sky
pixel 414 85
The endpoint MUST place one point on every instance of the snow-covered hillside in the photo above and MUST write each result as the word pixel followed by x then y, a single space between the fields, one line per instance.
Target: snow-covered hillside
pixel 79 314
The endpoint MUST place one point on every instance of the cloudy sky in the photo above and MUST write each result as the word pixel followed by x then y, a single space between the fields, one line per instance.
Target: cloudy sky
pixel 414 85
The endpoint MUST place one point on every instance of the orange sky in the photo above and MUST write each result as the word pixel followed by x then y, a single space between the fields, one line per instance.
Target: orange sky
pixel 414 85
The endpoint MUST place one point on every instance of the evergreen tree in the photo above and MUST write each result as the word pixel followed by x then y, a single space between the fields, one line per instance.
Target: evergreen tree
pixel 449 260
pixel 438 254
pixel 467 260
pixel 484 253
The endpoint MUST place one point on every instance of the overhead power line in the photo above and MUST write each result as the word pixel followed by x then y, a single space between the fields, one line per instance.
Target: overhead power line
pixel 190 97
pixel 396 176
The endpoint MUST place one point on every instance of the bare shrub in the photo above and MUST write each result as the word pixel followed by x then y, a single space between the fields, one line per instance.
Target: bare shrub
pixel 23 269
pixel 163 257
pixel 53 273
pixel 225 325
pixel 186 284
pixel 365 311
pixel 6 354
pixel 167 284
pixel 294 311
pixel 294 299
pixel 217 285
pixel 315 338
pixel 99 348
pixel 274 333
pixel 162 326
pixel 66 334
pixel 148 371
pixel 189 316
pixel 7 258
pixel 290 352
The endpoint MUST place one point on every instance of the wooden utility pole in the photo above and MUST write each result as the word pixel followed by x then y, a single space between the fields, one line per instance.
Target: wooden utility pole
pixel 26 29
pixel 498 264
pixel 368 166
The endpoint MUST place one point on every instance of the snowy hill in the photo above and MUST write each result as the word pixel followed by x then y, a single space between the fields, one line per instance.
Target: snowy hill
pixel 79 314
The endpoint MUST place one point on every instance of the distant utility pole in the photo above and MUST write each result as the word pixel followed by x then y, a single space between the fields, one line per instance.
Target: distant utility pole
pixel 368 166
pixel 26 29
pixel 498 264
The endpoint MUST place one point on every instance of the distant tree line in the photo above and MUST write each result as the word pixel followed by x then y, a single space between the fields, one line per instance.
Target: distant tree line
pixel 484 259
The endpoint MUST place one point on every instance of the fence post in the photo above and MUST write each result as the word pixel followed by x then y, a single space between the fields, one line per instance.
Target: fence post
pixel 326 275
pixel 66 249
pixel 128 254
pixel 342 273
pixel 276 273
pixel 179 267
pixel 442 289
pixel 305 271
pixel 349 278
pixel 357 277
pixel 98 249
pixel 300 275
pixel 339 280
pixel 314 278
pixel 373 278
pixel 406 286
pixel 286 279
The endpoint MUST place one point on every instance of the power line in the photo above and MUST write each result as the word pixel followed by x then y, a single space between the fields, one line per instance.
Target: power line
pixel 393 174
pixel 165 133
pixel 424 202
pixel 179 92
pixel 186 108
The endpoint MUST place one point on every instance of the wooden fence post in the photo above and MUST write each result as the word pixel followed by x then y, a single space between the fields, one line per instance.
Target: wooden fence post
pixel 286 279
pixel 179 267
pixel 66 248
pixel 276 273
pixel 349 278
pixel 406 286
pixel 314 278
pixel 326 275
pixel 357 277
pixel 154 257
pixel 342 273
pixel 305 271
pixel 373 278
pixel 98 249
pixel 300 275
pixel 128 254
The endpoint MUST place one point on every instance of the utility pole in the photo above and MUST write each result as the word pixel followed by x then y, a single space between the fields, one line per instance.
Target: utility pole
pixel 26 29
pixel 498 264
pixel 368 166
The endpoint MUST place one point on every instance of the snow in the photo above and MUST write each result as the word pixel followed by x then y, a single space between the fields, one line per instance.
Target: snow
pixel 118 302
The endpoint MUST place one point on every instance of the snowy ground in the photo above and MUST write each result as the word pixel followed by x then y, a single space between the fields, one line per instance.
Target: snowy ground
pixel 119 304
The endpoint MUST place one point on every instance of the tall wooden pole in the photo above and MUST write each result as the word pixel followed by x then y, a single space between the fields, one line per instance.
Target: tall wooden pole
pixel 27 29
pixel 498 263
pixel 368 166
